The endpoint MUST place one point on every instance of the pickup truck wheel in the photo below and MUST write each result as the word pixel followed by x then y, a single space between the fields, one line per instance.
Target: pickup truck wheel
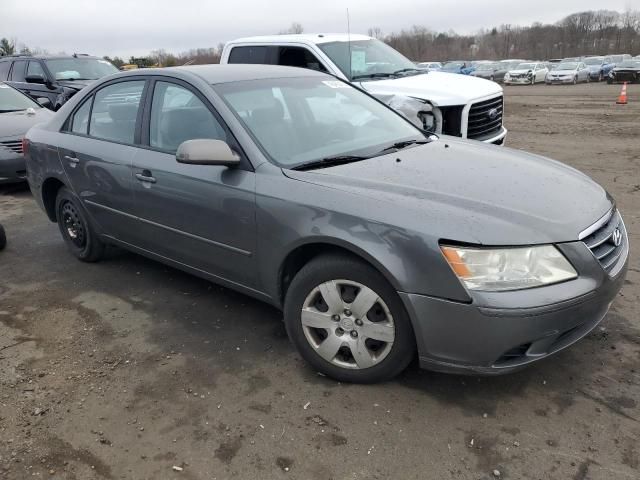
pixel 77 232
pixel 3 238
pixel 347 321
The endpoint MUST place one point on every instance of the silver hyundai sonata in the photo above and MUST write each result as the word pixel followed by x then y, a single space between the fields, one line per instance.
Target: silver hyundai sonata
pixel 377 240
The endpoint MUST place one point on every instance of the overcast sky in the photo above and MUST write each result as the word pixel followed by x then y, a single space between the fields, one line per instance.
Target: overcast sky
pixel 134 27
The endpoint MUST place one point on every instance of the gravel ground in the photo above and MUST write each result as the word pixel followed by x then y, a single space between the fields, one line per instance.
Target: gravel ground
pixel 127 369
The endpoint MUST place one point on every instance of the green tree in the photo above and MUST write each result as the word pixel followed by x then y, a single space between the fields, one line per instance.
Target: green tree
pixel 7 47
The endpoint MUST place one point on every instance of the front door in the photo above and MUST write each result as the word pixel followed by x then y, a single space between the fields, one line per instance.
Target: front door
pixel 96 151
pixel 200 216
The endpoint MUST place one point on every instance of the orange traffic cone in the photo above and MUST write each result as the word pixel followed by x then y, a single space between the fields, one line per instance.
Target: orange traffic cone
pixel 622 99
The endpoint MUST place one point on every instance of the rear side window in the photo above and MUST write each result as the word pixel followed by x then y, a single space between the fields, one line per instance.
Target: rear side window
pixel 178 115
pixel 80 120
pixel 251 54
pixel 299 57
pixel 17 72
pixel 4 70
pixel 115 111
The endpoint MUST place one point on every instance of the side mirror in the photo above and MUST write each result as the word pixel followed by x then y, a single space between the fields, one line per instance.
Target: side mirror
pixel 206 152
pixel 35 78
pixel 44 102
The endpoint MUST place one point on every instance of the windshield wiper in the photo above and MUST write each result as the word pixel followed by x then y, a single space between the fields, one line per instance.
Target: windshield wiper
pixel 13 110
pixel 404 144
pixel 406 70
pixel 373 75
pixel 329 162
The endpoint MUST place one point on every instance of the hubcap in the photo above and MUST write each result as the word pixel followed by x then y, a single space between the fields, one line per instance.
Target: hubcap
pixel 348 324
pixel 73 225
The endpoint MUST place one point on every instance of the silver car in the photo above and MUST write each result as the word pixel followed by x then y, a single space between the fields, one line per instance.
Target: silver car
pixel 378 241
pixel 18 113
pixel 569 72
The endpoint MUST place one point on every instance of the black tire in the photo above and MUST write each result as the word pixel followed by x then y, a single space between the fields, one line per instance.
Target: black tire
pixel 601 77
pixel 77 232
pixel 575 80
pixel 3 238
pixel 609 81
pixel 343 267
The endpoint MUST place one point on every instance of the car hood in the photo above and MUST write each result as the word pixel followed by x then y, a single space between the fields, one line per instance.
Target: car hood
pixel 626 69
pixel 518 72
pixel 462 191
pixel 16 124
pixel 75 84
pixel 562 72
pixel 440 88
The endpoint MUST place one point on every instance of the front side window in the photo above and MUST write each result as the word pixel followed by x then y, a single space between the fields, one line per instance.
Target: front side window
pixel 115 111
pixel 305 119
pixel 35 68
pixel 299 57
pixel 366 59
pixel 178 115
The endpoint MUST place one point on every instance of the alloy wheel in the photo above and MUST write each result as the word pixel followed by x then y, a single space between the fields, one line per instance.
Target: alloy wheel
pixel 348 324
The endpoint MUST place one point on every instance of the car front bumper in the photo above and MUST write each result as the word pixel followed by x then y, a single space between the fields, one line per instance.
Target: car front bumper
pixel 518 81
pixel 555 81
pixel 504 331
pixel 12 167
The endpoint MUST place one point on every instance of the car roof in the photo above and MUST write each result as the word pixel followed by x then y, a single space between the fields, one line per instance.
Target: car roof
pixel 45 57
pixel 303 38
pixel 214 74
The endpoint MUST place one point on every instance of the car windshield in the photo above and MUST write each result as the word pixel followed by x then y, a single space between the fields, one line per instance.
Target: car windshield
pixel 630 64
pixel 487 66
pixel 13 101
pixel 79 68
pixel 453 65
pixel 368 59
pixel 525 66
pixel 617 58
pixel 594 61
pixel 308 119
pixel 567 66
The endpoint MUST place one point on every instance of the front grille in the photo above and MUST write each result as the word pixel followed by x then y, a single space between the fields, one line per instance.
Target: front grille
pixel 608 242
pixel 485 118
pixel 626 76
pixel 13 145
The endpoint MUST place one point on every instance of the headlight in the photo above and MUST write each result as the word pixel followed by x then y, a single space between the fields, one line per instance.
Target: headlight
pixel 428 121
pixel 500 269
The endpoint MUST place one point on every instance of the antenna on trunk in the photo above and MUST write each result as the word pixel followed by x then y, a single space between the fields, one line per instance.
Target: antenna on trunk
pixel 349 42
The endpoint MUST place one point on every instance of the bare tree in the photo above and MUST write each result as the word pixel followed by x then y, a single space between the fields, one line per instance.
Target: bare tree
pixel 294 28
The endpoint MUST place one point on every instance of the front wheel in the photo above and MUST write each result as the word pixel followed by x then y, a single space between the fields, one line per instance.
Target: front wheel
pixel 78 234
pixel 347 321
pixel 575 80
pixel 601 77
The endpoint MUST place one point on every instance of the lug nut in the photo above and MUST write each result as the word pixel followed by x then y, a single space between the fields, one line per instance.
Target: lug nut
pixel 336 318
pixel 339 331
pixel 358 322
pixel 347 313
pixel 354 334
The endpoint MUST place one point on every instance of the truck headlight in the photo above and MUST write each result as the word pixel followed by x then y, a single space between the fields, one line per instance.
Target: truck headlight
pixel 501 269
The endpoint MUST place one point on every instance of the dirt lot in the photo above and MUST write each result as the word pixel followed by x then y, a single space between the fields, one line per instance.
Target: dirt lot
pixel 126 368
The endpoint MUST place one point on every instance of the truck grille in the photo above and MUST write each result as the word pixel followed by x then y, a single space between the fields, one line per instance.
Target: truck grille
pixel 485 118
pixel 608 242
pixel 14 145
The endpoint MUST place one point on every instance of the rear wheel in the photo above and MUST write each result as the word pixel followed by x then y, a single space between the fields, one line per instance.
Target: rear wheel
pixel 347 321
pixel 77 232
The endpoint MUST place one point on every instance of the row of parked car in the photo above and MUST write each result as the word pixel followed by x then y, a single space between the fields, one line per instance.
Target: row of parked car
pixel 613 69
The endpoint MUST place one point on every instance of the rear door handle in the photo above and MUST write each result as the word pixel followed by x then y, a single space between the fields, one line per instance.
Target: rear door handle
pixel 73 161
pixel 146 176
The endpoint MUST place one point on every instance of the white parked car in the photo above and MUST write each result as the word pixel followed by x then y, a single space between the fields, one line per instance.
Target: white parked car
pixel 527 73
pixel 439 102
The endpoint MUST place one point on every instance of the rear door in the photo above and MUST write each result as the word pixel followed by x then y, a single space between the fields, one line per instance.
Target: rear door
pixel 202 216
pixel 96 150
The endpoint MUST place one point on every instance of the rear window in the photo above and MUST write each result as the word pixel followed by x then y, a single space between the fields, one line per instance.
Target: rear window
pixel 4 69
pixel 251 54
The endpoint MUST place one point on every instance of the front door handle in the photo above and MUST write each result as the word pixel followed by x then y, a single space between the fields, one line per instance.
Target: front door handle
pixel 146 176
pixel 73 161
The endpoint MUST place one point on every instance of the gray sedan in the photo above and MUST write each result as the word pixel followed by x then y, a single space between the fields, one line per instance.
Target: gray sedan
pixel 377 240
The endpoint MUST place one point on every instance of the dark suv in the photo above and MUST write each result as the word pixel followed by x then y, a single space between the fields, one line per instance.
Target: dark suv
pixel 52 80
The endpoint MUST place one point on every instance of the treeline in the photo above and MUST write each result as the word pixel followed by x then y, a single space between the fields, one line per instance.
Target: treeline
pixel 598 32
pixel 585 33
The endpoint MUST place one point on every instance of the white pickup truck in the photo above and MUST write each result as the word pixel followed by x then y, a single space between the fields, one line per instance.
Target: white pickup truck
pixel 439 102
